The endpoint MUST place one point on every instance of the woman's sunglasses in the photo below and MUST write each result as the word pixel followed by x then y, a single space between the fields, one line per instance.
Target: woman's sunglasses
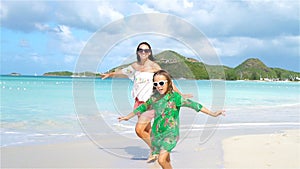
pixel 144 50
pixel 161 83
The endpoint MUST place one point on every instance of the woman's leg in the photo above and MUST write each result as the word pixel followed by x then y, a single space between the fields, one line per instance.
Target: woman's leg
pixel 143 126
pixel 143 129
pixel 164 159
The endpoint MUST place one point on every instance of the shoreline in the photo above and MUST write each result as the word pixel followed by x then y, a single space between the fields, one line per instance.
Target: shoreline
pixel 96 77
pixel 119 152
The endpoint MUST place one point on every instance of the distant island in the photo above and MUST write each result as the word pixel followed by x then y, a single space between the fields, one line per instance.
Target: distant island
pixel 71 74
pixel 181 67
pixel 15 74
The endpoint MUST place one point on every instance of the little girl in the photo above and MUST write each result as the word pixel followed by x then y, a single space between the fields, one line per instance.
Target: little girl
pixel 166 104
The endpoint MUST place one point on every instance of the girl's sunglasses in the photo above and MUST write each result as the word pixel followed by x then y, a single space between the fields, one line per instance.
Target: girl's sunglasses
pixel 144 50
pixel 161 83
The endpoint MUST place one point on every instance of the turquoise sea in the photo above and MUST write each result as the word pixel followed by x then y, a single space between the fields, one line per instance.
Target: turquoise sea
pixel 38 110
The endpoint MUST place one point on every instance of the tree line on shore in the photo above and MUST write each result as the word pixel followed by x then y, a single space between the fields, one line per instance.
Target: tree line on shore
pixel 181 67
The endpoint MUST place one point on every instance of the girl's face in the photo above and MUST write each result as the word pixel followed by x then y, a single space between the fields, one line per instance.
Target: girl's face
pixel 144 51
pixel 161 84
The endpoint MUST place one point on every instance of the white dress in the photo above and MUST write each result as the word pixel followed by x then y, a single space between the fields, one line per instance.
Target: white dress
pixel 142 83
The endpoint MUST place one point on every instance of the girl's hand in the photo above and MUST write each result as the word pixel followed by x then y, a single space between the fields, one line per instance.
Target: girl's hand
pixel 123 118
pixel 187 96
pixel 220 112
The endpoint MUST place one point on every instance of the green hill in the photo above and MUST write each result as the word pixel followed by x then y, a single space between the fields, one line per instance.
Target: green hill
pixel 188 68
pixel 58 73
pixel 67 73
pixel 178 66
pixel 254 69
pixel 285 74
pixel 181 67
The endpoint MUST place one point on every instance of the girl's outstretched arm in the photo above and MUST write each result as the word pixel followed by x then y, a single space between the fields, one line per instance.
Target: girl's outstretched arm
pixel 214 114
pixel 198 107
pixel 129 116
pixel 141 109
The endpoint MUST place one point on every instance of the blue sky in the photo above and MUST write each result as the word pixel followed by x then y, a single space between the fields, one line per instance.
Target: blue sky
pixel 43 36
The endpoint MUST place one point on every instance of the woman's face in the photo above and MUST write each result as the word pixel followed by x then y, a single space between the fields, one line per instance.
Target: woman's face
pixel 161 84
pixel 144 51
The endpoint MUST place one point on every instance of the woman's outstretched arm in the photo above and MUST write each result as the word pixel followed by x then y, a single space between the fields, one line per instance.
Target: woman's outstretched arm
pixel 111 74
pixel 129 116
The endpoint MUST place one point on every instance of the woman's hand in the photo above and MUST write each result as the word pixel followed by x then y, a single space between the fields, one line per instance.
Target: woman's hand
pixel 123 118
pixel 104 76
pixel 126 118
pixel 129 116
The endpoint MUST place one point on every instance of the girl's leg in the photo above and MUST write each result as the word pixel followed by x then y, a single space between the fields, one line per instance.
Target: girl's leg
pixel 164 159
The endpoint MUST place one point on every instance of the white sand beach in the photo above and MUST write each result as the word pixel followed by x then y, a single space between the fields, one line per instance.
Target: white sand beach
pixel 273 150
pixel 85 154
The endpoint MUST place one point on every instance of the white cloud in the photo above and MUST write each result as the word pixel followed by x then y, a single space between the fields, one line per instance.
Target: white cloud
pixel 69 59
pixel 3 11
pixel 221 18
pixel 233 47
pixel 165 5
pixel 187 4
pixel 42 27
pixel 244 18
pixel 89 16
pixel 245 46
pixel 24 43
pixel 146 9
pixel 23 15
pixel 64 41
pixel 35 57
pixel 235 28
pixel 64 32
pixel 108 12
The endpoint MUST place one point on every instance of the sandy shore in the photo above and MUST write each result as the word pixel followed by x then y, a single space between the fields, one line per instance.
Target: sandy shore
pixel 280 150
pixel 119 152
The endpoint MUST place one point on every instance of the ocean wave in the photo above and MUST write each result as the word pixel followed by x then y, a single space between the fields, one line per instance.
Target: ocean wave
pixel 11 138
pixel 257 107
pixel 123 129
pixel 238 125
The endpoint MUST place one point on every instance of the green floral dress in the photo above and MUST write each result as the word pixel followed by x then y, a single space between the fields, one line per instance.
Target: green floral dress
pixel 165 128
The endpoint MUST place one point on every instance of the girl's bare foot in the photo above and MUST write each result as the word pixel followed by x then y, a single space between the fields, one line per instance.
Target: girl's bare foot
pixel 152 158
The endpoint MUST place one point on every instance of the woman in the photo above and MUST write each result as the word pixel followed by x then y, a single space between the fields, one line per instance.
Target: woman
pixel 141 72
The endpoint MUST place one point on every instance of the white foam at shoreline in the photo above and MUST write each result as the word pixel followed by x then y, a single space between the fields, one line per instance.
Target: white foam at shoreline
pixel 287 105
pixel 246 124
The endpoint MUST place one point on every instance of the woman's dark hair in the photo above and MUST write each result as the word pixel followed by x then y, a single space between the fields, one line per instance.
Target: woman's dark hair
pixel 167 76
pixel 138 56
